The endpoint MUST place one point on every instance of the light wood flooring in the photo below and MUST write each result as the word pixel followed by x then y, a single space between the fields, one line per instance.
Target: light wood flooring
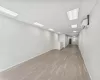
pixel 66 64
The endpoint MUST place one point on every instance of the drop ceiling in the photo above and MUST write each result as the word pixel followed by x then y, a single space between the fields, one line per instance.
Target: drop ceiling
pixel 51 13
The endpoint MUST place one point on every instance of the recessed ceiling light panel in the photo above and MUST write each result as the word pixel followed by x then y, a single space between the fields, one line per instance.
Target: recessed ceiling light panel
pixel 75 31
pixel 73 14
pixel 51 29
pixel 6 11
pixel 38 24
pixel 74 26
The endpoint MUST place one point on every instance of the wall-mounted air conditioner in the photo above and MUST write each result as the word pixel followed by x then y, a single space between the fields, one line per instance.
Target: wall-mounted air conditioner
pixel 85 22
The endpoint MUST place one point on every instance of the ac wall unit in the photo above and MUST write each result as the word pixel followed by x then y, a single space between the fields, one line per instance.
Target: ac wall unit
pixel 85 22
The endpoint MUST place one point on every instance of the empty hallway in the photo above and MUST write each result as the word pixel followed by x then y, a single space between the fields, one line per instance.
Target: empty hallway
pixel 49 40
pixel 66 64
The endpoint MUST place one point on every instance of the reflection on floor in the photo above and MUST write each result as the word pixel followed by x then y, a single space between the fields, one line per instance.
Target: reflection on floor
pixel 66 64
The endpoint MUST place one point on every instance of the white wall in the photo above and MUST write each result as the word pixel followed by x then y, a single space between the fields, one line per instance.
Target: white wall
pixel 20 42
pixel 75 40
pixel 89 43
pixel 66 41
pixel 63 40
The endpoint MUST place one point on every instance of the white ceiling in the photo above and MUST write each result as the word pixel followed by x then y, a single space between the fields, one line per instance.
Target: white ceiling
pixel 50 13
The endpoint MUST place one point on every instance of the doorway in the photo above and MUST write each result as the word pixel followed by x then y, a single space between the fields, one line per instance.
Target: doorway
pixel 70 41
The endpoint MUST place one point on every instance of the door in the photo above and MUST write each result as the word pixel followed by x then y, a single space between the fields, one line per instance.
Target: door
pixel 70 41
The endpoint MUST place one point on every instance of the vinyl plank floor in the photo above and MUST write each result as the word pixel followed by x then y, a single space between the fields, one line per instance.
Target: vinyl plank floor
pixel 66 64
